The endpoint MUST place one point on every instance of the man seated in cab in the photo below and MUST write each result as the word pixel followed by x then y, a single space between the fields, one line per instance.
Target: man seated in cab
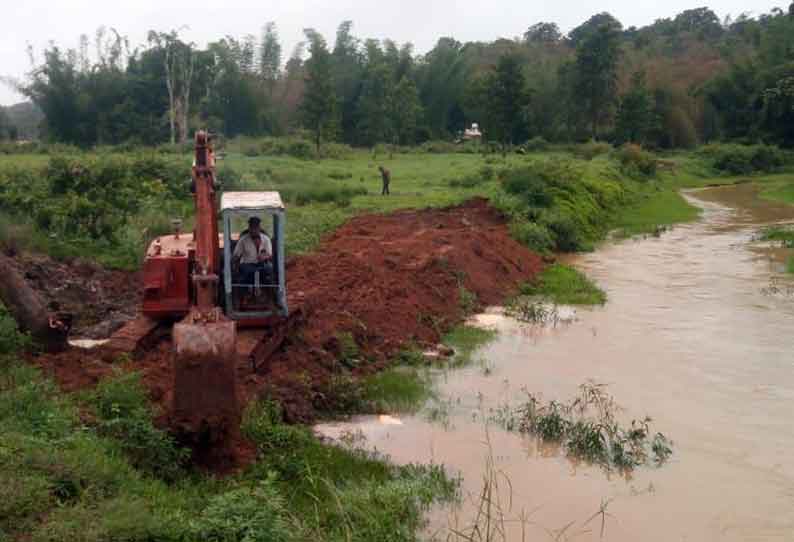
pixel 254 252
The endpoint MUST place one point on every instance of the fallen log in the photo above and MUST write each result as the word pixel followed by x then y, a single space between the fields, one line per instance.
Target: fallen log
pixel 48 328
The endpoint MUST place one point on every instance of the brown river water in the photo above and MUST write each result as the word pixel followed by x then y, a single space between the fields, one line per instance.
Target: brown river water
pixel 698 333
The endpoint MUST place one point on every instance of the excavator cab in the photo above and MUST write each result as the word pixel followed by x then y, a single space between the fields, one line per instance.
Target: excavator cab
pixel 264 299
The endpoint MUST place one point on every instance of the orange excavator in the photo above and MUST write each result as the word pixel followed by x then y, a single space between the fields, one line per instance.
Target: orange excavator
pixel 190 282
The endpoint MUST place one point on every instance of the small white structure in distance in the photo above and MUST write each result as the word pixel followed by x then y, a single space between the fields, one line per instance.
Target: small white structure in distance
pixel 472 133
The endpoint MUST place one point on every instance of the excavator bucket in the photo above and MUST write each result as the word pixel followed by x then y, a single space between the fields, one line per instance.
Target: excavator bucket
pixel 206 408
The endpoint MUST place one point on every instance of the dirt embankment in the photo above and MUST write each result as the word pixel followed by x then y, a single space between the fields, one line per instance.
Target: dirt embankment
pixel 387 281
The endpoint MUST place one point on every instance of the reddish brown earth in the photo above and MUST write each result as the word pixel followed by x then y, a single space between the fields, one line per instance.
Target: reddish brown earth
pixel 100 300
pixel 387 280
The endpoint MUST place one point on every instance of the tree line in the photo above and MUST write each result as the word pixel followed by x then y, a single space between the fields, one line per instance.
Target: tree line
pixel 675 83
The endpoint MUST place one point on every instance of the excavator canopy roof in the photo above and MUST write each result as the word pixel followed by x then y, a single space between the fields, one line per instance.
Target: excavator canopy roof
pixel 251 201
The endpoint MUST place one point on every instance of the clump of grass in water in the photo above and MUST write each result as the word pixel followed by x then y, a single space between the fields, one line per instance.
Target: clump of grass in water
pixel 465 340
pixel 778 233
pixel 587 428
pixel 564 285
pixel 532 310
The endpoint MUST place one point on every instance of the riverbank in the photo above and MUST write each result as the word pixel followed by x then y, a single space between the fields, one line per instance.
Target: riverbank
pixel 704 304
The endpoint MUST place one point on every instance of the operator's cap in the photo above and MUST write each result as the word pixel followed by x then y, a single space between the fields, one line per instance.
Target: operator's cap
pixel 254 221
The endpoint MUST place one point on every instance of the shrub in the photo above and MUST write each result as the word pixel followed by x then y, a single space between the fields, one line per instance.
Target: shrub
pixel 591 149
pixel 565 231
pixel 487 172
pixel 635 161
pixel 256 514
pixel 300 149
pixel 532 235
pixel 536 144
pixel 229 178
pixel 738 159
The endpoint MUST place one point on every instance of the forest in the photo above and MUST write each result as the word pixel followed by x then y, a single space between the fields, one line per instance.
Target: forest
pixel 679 82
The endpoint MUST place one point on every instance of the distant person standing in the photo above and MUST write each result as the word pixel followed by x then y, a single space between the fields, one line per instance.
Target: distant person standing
pixel 386 176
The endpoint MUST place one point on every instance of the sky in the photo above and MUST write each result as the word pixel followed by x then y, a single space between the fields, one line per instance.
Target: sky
pixel 421 22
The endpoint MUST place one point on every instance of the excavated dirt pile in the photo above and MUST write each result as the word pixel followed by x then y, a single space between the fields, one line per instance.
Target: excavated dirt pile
pixel 375 286
pixel 100 300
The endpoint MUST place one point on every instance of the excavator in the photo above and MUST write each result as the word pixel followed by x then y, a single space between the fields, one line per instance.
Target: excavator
pixel 191 286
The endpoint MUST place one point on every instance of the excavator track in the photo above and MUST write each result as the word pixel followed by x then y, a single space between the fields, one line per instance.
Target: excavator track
pixel 272 340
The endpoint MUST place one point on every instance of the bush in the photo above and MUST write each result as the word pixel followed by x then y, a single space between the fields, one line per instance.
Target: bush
pixel 635 161
pixel 555 193
pixel 532 235
pixel 738 159
pixel 257 514
pixel 591 149
pixel 229 178
pixel 565 232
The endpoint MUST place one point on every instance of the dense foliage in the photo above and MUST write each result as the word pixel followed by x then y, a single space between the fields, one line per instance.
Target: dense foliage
pixel 677 82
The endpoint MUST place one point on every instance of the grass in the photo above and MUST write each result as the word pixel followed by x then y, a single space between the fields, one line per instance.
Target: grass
pixel 108 474
pixel 565 285
pixel 653 211
pixel 784 235
pixel 465 340
pixel 588 428
pixel 400 389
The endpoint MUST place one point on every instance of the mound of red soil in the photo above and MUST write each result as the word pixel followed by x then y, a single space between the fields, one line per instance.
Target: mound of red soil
pixel 386 281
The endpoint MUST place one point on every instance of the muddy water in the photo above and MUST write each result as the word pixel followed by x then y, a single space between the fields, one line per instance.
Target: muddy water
pixel 693 336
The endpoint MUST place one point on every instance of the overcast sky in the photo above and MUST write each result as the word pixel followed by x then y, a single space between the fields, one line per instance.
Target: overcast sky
pixel 420 22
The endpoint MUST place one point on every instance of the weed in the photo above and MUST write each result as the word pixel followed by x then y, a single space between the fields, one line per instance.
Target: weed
pixel 465 340
pixel 588 429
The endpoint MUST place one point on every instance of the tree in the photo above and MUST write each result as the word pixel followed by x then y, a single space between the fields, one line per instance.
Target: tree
pixel 635 119
pixel 545 33
pixel 348 69
pixel 179 62
pixel 270 57
pixel 592 26
pixel 319 99
pixel 405 111
pixel 441 78
pixel 507 95
pixel 596 76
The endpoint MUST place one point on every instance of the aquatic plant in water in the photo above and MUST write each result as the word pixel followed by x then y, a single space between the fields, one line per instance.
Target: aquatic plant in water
pixel 587 428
